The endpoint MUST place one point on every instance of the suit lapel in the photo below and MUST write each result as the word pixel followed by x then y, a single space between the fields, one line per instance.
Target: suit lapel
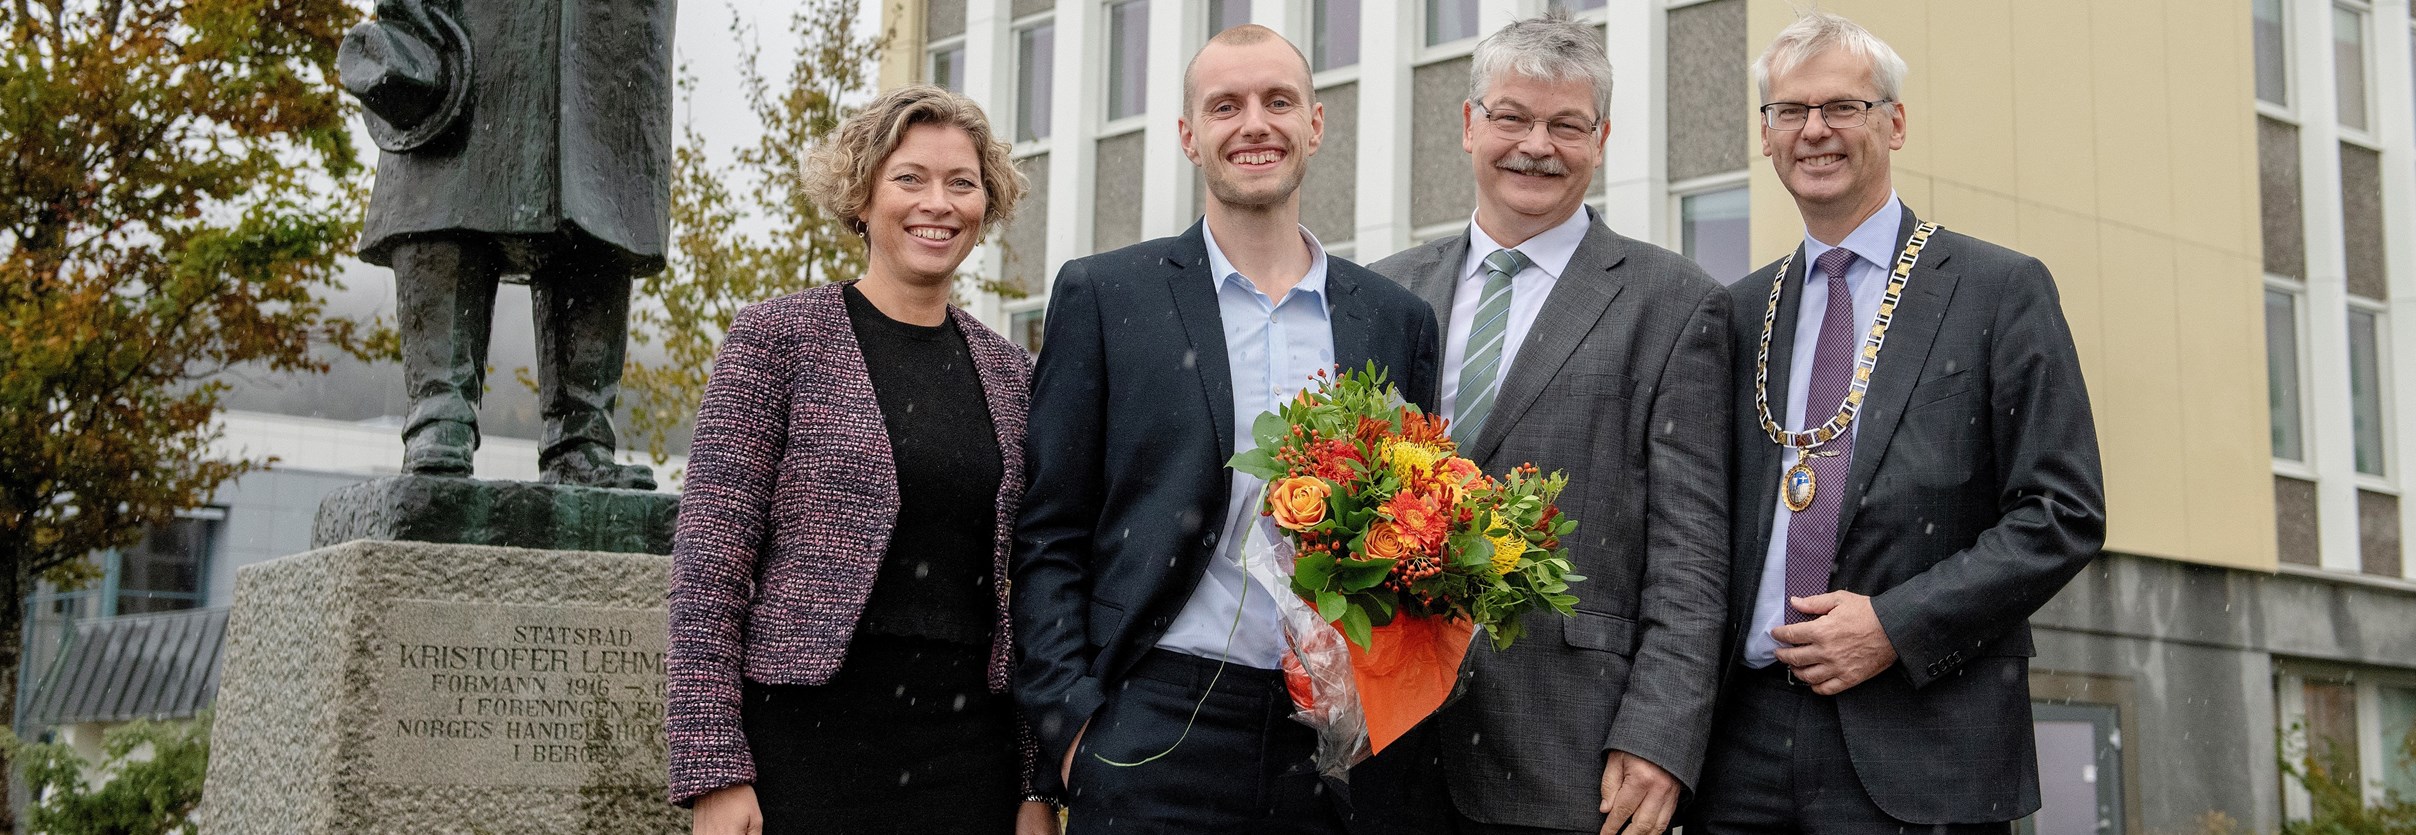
pixel 1910 333
pixel 1578 300
pixel 1438 281
pixel 1189 281
pixel 1761 459
pixel 1354 326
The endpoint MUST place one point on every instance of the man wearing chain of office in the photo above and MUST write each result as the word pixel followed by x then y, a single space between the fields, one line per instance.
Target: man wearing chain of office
pixel 1917 473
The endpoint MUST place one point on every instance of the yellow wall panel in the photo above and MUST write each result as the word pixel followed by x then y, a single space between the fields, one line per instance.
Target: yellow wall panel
pixel 1980 213
pixel 2219 344
pixel 2215 185
pixel 1963 127
pixel 2054 142
pixel 2111 140
pixel 2067 243
pixel 2134 135
pixel 2138 403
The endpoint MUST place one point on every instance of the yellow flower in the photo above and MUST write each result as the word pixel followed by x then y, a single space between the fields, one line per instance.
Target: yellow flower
pixel 1410 460
pixel 1508 546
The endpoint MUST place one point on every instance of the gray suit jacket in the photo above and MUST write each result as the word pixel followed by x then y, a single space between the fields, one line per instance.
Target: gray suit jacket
pixel 1975 494
pixel 1623 381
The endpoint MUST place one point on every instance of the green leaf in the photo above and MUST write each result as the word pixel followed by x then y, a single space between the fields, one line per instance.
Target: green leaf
pixel 1313 573
pixel 1355 626
pixel 1257 462
pixel 1270 430
pixel 1330 606
pixel 1361 575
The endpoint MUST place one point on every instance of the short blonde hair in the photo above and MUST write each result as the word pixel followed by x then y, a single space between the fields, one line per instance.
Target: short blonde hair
pixel 839 176
pixel 1816 32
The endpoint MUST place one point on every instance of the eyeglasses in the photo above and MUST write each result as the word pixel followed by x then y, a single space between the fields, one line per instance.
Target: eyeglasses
pixel 1510 124
pixel 1842 113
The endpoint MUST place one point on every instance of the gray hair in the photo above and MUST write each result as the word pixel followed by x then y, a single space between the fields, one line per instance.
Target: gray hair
pixel 1552 48
pixel 1817 32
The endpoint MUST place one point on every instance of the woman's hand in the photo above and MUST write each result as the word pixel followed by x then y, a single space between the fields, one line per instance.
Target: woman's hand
pixel 729 811
pixel 1035 818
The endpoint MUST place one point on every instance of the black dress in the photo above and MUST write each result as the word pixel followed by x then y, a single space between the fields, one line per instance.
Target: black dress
pixel 907 737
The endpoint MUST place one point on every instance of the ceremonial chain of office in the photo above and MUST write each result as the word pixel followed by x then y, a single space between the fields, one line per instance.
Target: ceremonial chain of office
pixel 1804 442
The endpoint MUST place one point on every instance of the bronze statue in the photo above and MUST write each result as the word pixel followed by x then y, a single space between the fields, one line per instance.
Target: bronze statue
pixel 525 138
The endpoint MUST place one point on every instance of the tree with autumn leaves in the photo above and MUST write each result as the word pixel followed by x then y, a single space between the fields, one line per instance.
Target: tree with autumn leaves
pixel 177 178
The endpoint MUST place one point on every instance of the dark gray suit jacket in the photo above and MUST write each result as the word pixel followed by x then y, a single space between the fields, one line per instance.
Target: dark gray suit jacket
pixel 1974 496
pixel 1623 382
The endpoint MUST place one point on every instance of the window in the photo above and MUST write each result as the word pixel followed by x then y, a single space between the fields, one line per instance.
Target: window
pixel 1024 326
pixel 2282 382
pixel 2349 65
pixel 1450 20
pixel 1713 232
pixel 2397 709
pixel 1127 58
pixel 2367 410
pixel 948 67
pixel 1226 14
pixel 1335 42
pixel 165 571
pixel 1035 60
pixel 2273 55
pixel 2080 769
pixel 2354 727
pixel 1579 5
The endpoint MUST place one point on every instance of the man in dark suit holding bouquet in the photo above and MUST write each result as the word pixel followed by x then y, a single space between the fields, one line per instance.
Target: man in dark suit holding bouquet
pixel 1129 601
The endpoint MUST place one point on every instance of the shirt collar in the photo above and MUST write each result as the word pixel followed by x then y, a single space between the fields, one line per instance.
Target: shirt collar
pixel 1874 241
pixel 1221 268
pixel 1549 251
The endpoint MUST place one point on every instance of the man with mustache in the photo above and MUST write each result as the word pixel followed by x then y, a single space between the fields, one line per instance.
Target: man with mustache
pixel 1917 473
pixel 1130 603
pixel 1576 348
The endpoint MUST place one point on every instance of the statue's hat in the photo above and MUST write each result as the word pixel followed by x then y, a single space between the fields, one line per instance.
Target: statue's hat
pixel 410 68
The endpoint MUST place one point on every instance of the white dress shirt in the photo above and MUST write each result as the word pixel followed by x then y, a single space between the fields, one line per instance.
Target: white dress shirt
pixel 1874 247
pixel 1548 256
pixel 1274 348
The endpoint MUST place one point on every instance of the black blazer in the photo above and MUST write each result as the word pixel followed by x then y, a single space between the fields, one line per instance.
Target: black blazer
pixel 1975 494
pixel 1132 422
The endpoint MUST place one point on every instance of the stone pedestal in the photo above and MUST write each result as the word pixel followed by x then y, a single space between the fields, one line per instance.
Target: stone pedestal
pixel 410 687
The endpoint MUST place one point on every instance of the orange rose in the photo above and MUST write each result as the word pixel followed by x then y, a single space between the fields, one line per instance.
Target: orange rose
pixel 1384 542
pixel 1298 503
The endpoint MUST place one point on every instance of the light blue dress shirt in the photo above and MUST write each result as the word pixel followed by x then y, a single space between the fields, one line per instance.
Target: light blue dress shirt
pixel 1274 348
pixel 1874 247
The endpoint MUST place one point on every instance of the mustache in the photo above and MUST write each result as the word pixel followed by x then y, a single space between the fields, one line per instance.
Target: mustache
pixel 1518 163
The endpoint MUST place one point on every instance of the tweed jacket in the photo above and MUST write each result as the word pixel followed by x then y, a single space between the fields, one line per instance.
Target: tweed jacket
pixel 790 499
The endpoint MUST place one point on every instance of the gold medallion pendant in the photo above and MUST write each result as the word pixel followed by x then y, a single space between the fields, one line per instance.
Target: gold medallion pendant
pixel 1796 486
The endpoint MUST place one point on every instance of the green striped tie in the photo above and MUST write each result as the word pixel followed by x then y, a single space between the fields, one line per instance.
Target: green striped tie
pixel 1481 368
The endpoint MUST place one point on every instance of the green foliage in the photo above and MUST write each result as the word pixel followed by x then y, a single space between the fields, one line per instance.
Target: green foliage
pixel 179 179
pixel 149 780
pixel 2338 794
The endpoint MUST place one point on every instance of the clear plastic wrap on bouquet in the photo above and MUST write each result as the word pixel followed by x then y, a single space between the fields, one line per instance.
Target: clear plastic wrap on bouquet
pixel 1325 695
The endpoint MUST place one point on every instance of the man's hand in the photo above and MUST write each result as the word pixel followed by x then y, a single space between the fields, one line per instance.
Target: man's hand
pixel 1035 818
pixel 1065 770
pixel 728 811
pixel 1840 647
pixel 1637 795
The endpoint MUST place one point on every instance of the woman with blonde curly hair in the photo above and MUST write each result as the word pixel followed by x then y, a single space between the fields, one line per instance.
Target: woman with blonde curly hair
pixel 839 641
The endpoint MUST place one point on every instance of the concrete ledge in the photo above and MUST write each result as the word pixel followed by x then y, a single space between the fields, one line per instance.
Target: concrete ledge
pixel 515 514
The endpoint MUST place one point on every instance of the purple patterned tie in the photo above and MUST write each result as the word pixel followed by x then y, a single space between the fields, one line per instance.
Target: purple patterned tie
pixel 1812 534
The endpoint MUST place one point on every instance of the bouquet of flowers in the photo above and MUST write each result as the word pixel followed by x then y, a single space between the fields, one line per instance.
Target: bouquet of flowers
pixel 1388 539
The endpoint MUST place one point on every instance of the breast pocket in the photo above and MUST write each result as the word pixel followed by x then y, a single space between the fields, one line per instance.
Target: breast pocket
pixel 1600 631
